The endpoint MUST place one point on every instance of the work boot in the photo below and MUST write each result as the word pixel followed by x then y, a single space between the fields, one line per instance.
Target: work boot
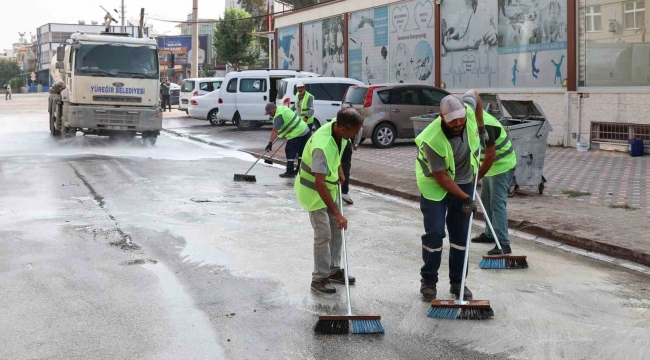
pixel 323 286
pixel 496 251
pixel 483 239
pixel 337 277
pixel 347 199
pixel 428 289
pixel 288 175
pixel 455 290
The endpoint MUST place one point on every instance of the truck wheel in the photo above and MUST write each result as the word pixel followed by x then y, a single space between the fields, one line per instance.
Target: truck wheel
pixel 53 130
pixel 148 138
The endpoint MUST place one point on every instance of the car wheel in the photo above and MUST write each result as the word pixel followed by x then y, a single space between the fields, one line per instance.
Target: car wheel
pixel 384 136
pixel 246 125
pixel 212 118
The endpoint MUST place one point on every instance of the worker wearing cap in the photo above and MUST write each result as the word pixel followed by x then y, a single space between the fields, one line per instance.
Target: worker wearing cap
pixel 305 102
pixel 445 169
pixel 287 124
pixel 494 187
pixel 317 191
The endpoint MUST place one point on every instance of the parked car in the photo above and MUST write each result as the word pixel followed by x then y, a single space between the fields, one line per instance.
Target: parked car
pixel 174 93
pixel 247 92
pixel 388 108
pixel 328 95
pixel 197 87
pixel 206 107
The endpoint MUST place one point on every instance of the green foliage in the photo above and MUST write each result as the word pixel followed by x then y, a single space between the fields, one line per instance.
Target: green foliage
pixel 8 70
pixel 17 82
pixel 233 41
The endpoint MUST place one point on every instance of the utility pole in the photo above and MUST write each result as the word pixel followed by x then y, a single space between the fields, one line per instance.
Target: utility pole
pixel 141 31
pixel 123 27
pixel 194 73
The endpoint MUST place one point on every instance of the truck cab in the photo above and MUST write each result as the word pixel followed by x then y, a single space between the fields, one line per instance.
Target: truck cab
pixel 106 85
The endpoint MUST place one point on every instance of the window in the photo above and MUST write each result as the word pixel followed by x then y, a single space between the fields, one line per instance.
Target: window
pixel 205 86
pixel 593 19
pixel 282 88
pixel 344 89
pixel 406 96
pixel 634 14
pixel 232 86
pixel 384 96
pixel 216 85
pixel 188 86
pixel 431 97
pixel 117 60
pixel 252 85
pixel 326 91
pixel 356 95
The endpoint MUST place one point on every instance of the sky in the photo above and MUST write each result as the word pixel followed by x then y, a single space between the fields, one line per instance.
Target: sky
pixel 27 15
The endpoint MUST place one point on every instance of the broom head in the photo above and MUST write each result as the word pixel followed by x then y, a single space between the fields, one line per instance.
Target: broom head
pixel 503 262
pixel 463 310
pixel 340 324
pixel 244 177
pixel 268 161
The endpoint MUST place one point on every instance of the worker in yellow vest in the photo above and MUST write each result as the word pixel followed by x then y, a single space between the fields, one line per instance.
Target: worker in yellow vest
pixel 304 105
pixel 445 170
pixel 317 187
pixel 287 124
pixel 495 184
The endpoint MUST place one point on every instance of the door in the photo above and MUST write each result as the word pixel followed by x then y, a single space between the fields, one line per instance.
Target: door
pixel 187 88
pixel 431 99
pixel 229 97
pixel 252 97
pixel 404 105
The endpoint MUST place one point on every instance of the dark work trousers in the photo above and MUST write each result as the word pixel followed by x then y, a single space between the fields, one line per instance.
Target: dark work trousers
pixel 166 100
pixel 346 164
pixel 293 149
pixel 311 127
pixel 436 213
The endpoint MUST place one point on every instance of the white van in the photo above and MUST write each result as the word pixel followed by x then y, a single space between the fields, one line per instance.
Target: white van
pixel 246 93
pixel 197 87
pixel 328 95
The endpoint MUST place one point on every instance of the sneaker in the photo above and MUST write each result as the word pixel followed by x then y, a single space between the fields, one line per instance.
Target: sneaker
pixel 337 277
pixel 455 290
pixel 347 199
pixel 323 286
pixel 496 251
pixel 483 239
pixel 428 289
pixel 288 175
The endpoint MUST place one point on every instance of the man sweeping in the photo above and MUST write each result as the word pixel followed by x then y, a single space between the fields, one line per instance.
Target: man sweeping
pixel 317 191
pixel 494 188
pixel 287 124
pixel 445 168
pixel 305 103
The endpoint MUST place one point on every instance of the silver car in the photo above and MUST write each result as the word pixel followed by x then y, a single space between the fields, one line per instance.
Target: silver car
pixel 388 108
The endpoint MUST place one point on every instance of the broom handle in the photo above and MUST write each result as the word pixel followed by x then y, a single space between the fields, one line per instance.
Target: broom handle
pixel 278 149
pixel 258 159
pixel 489 223
pixel 461 299
pixel 345 257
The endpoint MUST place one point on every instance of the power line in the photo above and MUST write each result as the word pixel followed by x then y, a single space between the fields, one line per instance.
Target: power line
pixel 248 18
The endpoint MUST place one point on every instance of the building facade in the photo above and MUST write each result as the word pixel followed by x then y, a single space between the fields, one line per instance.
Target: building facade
pixel 49 36
pixel 587 62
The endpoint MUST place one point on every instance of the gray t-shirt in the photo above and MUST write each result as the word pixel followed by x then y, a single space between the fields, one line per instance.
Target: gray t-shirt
pixel 460 148
pixel 318 162
pixel 278 121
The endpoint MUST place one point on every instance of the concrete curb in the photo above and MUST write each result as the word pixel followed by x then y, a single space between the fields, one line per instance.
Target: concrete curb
pixel 194 138
pixel 521 226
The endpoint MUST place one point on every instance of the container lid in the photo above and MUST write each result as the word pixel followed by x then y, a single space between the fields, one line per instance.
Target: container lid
pixel 492 104
pixel 523 109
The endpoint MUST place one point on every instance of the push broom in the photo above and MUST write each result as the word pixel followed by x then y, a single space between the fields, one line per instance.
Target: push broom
pixel 503 261
pixel 270 160
pixel 251 178
pixel 340 324
pixel 462 309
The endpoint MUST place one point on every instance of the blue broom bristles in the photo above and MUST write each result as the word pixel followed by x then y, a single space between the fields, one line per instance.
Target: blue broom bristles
pixel 443 313
pixel 367 327
pixel 492 264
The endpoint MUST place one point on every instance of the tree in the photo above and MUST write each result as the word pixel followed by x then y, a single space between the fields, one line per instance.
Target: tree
pixel 233 41
pixel 8 70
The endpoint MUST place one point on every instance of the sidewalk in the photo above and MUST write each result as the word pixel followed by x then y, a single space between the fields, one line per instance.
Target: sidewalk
pixel 587 221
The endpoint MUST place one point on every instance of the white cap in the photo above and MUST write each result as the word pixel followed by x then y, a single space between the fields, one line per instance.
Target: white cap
pixel 301 84
pixel 452 108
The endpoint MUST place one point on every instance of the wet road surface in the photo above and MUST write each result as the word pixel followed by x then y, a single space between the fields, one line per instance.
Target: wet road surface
pixel 119 250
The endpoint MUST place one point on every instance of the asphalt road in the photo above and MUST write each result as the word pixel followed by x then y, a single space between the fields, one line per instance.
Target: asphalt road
pixel 117 250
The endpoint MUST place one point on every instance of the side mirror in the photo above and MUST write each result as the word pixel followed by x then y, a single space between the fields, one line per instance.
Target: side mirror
pixel 60 53
pixel 59 65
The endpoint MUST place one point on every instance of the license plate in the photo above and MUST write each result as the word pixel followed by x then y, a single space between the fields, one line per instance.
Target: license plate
pixel 184 101
pixel 117 127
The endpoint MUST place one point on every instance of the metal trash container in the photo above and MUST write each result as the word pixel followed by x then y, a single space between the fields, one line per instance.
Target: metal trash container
pixel 421 122
pixel 528 129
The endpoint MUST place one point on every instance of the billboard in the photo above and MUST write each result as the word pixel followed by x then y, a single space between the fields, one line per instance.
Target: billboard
pixel 181 47
pixel 323 50
pixel 288 48
pixel 368 46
